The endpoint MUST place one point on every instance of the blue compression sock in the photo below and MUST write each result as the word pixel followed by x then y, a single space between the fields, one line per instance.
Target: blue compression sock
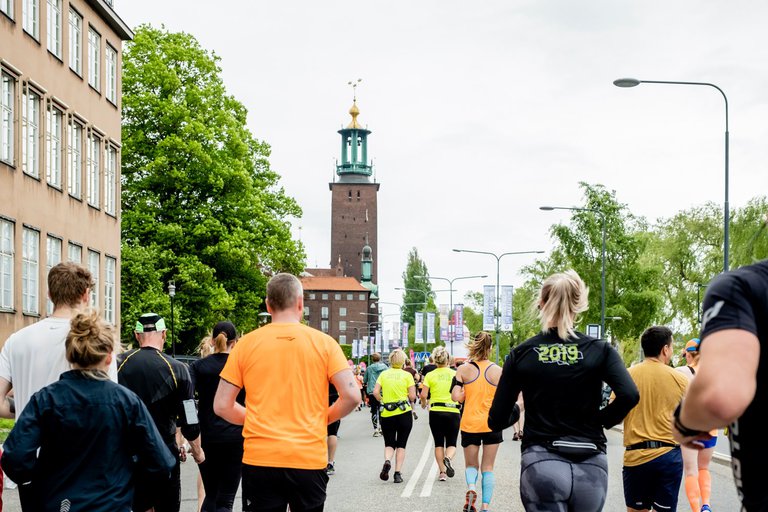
pixel 489 482
pixel 471 475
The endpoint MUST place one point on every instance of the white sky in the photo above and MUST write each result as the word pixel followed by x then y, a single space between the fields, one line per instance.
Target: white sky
pixel 483 111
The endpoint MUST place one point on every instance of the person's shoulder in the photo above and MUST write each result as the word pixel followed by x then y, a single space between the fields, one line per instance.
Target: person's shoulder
pixel 751 277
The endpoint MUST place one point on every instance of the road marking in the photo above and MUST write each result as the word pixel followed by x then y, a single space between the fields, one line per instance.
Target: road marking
pixel 419 468
pixel 429 482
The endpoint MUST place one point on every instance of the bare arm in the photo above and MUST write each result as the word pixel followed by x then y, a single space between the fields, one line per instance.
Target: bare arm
pixel 349 395
pixel 412 393
pixel 423 396
pixel 5 403
pixel 377 392
pixel 726 380
pixel 225 404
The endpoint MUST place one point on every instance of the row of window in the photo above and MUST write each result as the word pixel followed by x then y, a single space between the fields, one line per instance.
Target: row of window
pixel 55 36
pixel 324 312
pixel 337 296
pixel 30 270
pixel 342 328
pixel 60 141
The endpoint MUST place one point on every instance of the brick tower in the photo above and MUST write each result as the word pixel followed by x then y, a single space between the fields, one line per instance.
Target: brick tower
pixel 353 203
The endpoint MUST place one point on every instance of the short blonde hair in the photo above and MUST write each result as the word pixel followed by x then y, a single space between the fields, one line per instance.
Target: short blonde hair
pixel 397 358
pixel 440 356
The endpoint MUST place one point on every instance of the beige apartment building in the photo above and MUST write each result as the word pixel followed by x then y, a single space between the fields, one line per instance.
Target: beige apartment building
pixel 60 102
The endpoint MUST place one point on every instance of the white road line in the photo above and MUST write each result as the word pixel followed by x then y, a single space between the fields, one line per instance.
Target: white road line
pixel 419 468
pixel 426 491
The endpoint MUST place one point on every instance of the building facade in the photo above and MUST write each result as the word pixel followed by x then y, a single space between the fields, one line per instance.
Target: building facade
pixel 60 114
pixel 339 306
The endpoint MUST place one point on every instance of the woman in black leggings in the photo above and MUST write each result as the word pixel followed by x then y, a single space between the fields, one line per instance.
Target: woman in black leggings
pixel 222 441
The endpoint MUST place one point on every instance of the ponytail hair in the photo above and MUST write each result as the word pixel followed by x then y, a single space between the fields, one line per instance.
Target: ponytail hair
pixel 480 346
pixel 89 341
pixel 220 343
pixel 562 298
pixel 440 356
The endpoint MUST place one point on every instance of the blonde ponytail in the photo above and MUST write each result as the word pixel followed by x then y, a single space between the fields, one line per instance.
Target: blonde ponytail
pixel 480 346
pixel 562 297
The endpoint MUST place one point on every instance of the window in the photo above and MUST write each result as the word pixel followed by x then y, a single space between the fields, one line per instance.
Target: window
pixel 6 264
pixel 109 289
pixel 75 155
pixel 325 296
pixel 54 27
pixel 74 253
pixel 6 6
pixel 93 267
pixel 53 146
pixel 30 12
pixel 343 339
pixel 343 325
pixel 350 296
pixel 52 257
pixel 94 157
pixel 94 59
pixel 31 133
pixel 111 70
pixel 110 187
pixel 306 311
pixel 361 296
pixel 75 42
pixel 337 296
pixel 7 102
pixel 324 312
pixel 324 326
pixel 30 257
pixel 311 296
pixel 342 311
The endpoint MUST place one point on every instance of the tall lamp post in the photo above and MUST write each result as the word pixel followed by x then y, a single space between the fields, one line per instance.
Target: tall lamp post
pixel 172 294
pixel 426 301
pixel 451 327
pixel 633 82
pixel 497 312
pixel 602 256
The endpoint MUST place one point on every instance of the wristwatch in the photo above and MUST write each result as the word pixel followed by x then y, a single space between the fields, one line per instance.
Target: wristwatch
pixel 685 431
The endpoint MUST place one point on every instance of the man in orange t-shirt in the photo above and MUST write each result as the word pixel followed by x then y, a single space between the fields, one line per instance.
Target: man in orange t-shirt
pixel 284 420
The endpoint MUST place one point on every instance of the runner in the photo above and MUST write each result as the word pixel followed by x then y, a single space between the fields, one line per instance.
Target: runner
pixel 444 414
pixel 332 432
pixel 475 385
pixel 698 480
pixel 221 441
pixel 564 466
pixel 396 391
pixel 417 379
pixel 371 376
pixel 359 382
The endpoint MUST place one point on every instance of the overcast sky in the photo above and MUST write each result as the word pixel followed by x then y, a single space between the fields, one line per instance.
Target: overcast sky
pixel 483 111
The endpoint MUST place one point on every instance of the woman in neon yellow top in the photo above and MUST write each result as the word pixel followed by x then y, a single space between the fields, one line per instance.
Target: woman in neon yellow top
pixel 444 417
pixel 395 390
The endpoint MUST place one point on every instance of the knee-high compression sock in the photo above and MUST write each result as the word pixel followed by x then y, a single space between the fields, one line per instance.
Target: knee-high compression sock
pixel 471 475
pixel 693 492
pixel 705 484
pixel 489 482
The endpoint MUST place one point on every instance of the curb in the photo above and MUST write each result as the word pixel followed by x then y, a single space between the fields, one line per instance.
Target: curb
pixel 722 459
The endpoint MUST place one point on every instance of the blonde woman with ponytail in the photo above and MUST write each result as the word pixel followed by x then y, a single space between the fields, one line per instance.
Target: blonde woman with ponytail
pixel 80 440
pixel 221 469
pixel 475 385
pixel 560 372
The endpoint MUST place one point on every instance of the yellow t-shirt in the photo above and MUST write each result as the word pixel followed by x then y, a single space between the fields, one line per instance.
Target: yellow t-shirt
pixel 285 370
pixel 439 383
pixel 394 388
pixel 661 389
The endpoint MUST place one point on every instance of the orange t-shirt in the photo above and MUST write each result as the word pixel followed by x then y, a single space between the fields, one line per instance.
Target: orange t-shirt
pixel 478 397
pixel 285 370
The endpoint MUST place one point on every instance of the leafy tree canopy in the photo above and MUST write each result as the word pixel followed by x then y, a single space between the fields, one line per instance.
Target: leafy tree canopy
pixel 417 291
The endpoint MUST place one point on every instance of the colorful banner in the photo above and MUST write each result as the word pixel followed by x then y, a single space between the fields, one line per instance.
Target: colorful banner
pixel 430 327
pixel 458 318
pixel 371 344
pixel 444 332
pixel 419 328
pixel 489 307
pixel 363 348
pixel 507 294
pixel 404 336
pixel 355 349
pixel 379 345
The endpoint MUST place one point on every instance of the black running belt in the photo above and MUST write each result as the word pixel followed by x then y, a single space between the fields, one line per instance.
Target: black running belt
pixel 445 404
pixel 651 445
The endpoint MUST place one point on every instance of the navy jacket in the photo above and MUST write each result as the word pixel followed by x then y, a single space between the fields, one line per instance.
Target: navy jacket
pixel 92 435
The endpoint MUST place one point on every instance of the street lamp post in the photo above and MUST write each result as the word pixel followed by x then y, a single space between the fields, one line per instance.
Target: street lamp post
pixel 633 82
pixel 451 326
pixel 497 312
pixel 602 256
pixel 172 294
pixel 426 301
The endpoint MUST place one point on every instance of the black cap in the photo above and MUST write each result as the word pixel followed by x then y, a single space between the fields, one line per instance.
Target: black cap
pixel 227 328
pixel 150 322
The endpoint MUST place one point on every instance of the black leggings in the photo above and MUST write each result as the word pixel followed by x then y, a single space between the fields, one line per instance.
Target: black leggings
pixel 375 404
pixel 221 475
pixel 445 427
pixel 396 429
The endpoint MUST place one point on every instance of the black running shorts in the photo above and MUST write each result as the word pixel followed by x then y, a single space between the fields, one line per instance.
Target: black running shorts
pixel 478 438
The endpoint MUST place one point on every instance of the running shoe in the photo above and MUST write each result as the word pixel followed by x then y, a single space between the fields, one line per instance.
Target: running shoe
pixel 448 468
pixel 705 508
pixel 415 416
pixel 330 469
pixel 398 479
pixel 469 503
pixel 376 433
pixel 443 477
pixel 384 475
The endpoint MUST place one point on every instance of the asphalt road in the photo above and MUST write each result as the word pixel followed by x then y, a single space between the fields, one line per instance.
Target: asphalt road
pixel 356 486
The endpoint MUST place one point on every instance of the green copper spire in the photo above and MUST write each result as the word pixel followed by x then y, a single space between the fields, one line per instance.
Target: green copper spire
pixel 354 166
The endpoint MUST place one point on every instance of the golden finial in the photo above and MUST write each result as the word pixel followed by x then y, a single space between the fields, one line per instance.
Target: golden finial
pixel 354 111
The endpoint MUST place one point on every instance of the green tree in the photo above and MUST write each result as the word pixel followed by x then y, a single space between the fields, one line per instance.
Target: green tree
pixel 417 289
pixel 200 203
